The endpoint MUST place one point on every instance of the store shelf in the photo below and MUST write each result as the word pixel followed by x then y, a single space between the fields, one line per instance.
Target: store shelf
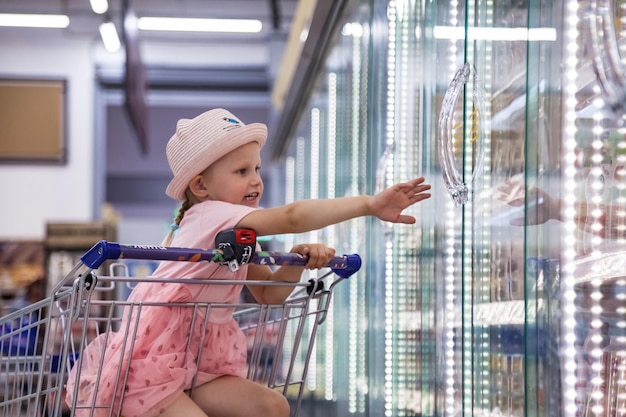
pixel 506 313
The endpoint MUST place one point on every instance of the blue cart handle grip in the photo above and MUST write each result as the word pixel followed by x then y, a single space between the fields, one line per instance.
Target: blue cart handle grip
pixel 344 266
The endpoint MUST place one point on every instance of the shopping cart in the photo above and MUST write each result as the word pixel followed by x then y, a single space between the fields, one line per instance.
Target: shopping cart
pixel 39 344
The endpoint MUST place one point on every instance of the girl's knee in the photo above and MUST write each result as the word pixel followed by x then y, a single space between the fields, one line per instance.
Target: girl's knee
pixel 236 396
pixel 274 405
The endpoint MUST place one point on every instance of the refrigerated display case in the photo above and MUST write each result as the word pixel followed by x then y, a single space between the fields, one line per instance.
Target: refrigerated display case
pixel 507 298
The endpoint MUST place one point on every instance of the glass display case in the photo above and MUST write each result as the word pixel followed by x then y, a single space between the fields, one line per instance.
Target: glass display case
pixel 508 297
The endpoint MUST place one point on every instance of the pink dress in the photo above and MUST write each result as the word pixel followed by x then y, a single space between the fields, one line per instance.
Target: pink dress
pixel 162 364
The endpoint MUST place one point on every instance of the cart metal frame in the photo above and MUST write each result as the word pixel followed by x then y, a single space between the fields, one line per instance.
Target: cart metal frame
pixel 39 344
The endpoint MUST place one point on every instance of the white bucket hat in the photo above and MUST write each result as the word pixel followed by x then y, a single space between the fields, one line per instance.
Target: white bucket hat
pixel 200 141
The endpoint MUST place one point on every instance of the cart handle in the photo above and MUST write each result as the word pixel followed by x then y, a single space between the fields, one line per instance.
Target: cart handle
pixel 344 266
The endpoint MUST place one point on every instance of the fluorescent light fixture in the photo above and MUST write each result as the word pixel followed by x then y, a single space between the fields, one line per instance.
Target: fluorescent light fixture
pixel 55 21
pixel 495 34
pixel 304 35
pixel 200 25
pixel 99 6
pixel 109 36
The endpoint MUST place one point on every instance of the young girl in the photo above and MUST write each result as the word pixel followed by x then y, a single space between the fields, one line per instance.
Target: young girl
pixel 215 159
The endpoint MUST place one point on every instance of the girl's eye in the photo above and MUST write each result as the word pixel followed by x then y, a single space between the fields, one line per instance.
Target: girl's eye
pixel 241 171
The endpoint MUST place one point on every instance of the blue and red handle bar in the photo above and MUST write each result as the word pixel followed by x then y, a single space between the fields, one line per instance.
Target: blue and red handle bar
pixel 344 266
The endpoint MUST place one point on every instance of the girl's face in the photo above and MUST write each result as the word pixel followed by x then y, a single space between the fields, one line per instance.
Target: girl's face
pixel 235 177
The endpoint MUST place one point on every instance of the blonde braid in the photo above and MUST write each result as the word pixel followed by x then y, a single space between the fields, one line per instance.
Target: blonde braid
pixel 186 205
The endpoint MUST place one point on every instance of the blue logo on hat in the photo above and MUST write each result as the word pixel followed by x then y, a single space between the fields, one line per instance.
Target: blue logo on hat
pixel 228 119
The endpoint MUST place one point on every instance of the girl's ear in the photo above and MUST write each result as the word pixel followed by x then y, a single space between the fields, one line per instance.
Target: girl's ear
pixel 197 187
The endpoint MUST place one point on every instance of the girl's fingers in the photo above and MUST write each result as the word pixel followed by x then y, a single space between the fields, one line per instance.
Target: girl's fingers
pixel 422 188
pixel 318 255
pixel 406 219
pixel 418 180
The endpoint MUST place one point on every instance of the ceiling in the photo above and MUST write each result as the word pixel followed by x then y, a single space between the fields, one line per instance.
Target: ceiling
pixel 246 61
pixel 277 61
pixel 275 15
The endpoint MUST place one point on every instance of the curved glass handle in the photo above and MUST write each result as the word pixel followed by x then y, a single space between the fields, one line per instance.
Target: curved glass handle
pixel 453 180
pixel 602 43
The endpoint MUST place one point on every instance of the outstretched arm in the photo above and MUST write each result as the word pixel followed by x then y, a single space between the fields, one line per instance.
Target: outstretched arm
pixel 307 215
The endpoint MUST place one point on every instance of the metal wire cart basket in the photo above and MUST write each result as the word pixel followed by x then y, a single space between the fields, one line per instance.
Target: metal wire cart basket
pixel 41 343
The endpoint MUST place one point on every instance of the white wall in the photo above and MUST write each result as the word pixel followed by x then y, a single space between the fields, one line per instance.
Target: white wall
pixel 32 194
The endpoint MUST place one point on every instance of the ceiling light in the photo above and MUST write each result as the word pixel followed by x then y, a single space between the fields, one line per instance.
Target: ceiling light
pixel 34 20
pixel 200 25
pixel 109 36
pixel 99 6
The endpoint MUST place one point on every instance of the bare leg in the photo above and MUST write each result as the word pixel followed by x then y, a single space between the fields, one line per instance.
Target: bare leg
pixel 183 406
pixel 231 396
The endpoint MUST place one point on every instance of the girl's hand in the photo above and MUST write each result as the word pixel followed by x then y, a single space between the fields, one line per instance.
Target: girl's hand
pixel 389 204
pixel 319 255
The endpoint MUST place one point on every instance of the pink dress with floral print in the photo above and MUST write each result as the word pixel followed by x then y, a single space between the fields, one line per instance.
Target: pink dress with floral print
pixel 165 348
